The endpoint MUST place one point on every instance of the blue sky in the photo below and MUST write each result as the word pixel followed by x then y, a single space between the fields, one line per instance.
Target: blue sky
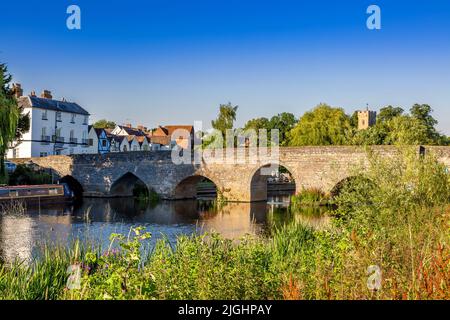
pixel 169 62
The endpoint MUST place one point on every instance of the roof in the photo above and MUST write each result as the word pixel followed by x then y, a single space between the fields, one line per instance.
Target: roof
pixel 172 128
pixel 163 131
pixel 141 139
pixel 132 131
pixel 160 140
pixel 160 132
pixel 50 104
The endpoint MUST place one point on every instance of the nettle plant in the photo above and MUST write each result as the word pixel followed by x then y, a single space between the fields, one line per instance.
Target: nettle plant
pixel 119 272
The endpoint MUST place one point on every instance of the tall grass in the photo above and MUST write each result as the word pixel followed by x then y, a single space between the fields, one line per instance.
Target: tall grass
pixel 399 222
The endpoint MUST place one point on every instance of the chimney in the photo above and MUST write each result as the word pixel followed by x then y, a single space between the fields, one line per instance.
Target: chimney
pixel 18 91
pixel 33 93
pixel 128 125
pixel 141 127
pixel 46 94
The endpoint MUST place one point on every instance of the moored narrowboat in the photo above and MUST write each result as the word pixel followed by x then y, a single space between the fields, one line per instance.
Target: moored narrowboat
pixel 56 192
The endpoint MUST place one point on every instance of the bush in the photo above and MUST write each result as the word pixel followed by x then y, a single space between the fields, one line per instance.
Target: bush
pixel 25 175
pixel 308 197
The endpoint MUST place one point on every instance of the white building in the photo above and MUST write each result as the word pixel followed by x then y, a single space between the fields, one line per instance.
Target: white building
pixel 56 127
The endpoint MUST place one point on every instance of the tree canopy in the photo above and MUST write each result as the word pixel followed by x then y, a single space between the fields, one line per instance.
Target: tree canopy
pixel 104 124
pixel 283 122
pixel 324 125
pixel 12 123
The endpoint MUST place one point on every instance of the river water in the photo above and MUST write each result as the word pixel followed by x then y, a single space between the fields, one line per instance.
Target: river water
pixel 95 219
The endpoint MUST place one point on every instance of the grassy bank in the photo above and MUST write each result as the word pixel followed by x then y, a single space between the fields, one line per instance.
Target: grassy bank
pixel 398 222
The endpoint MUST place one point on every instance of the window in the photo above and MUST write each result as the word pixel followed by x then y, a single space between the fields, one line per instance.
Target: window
pixel 58 132
pixel 43 154
pixel 15 152
pixel 85 121
pixel 104 143
pixel 58 116
pixel 135 148
pixel 70 150
pixel 72 118
pixel 145 147
pixel 44 115
pixel 124 148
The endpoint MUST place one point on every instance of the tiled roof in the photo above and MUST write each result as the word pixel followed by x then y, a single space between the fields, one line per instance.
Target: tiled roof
pixel 172 128
pixel 160 140
pixel 160 132
pixel 132 131
pixel 50 104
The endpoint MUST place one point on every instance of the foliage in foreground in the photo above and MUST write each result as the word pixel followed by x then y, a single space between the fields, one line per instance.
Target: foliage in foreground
pixel 400 222
pixel 308 197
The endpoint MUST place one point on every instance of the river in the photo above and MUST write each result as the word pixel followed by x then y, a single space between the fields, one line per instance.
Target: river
pixel 96 218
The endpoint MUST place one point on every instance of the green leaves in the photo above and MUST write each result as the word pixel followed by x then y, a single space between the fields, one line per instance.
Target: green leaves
pixel 324 125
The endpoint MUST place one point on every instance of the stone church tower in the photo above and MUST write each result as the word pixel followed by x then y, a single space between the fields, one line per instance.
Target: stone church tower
pixel 366 119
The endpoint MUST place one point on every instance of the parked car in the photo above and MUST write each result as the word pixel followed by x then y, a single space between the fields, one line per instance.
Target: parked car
pixel 10 166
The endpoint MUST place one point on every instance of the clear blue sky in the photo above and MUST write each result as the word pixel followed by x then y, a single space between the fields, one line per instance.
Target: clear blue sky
pixel 174 61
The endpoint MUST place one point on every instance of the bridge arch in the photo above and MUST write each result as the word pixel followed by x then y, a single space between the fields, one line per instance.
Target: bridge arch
pixel 126 185
pixel 74 185
pixel 259 178
pixel 350 182
pixel 195 186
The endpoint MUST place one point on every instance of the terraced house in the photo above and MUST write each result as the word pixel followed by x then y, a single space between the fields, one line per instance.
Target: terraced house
pixel 56 126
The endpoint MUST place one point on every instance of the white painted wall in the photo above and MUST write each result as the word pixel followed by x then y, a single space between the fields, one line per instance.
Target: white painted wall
pixel 32 144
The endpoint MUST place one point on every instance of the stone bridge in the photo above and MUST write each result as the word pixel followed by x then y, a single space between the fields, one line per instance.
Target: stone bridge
pixel 114 174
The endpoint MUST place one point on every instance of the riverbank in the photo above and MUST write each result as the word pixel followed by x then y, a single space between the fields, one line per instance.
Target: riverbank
pixel 297 262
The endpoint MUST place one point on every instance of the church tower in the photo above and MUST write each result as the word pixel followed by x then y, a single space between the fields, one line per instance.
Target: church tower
pixel 366 119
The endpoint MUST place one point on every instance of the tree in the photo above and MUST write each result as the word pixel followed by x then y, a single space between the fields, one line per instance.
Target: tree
pixel 375 135
pixel 9 116
pixel 104 124
pixel 324 125
pixel 407 130
pixel 389 112
pixel 257 123
pixel 422 112
pixel 225 119
pixel 284 122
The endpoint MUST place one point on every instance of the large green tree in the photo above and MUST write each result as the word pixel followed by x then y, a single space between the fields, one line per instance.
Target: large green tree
pixel 407 130
pixel 324 125
pixel 224 121
pixel 422 112
pixel 284 122
pixel 104 124
pixel 389 112
pixel 9 116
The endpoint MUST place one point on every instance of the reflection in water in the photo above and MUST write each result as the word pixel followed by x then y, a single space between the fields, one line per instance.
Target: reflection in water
pixel 96 219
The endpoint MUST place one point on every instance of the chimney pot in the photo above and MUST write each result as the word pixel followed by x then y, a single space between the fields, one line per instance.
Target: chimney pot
pixel 46 94
pixel 18 91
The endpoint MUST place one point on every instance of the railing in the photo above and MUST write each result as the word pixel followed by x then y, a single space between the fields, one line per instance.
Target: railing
pixel 85 142
pixel 57 139
pixel 73 140
pixel 45 139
